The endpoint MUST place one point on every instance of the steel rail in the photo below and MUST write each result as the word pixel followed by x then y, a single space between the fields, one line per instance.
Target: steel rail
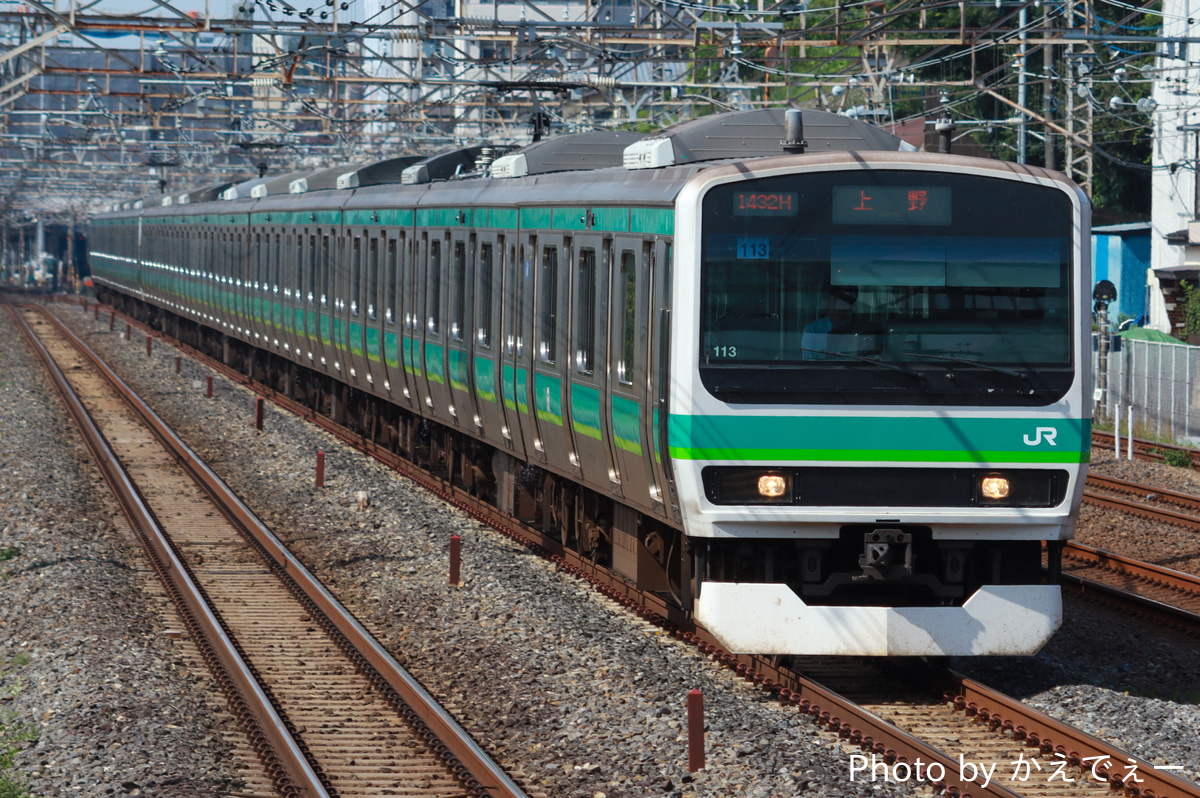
pixel 1142 510
pixel 463 751
pixel 1144 449
pixel 1124 486
pixel 280 754
pixel 1078 748
pixel 1124 597
pixel 465 755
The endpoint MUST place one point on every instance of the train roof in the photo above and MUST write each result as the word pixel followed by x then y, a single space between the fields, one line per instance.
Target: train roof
pixel 730 136
pixel 574 152
pixel 755 134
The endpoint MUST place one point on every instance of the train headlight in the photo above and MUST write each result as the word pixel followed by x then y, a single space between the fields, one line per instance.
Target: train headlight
pixel 749 485
pixel 772 486
pixel 994 488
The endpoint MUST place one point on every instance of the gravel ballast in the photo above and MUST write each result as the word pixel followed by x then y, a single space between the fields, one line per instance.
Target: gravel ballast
pixel 579 696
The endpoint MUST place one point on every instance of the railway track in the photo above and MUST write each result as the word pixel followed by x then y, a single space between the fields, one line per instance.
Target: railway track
pixel 1144 449
pixel 944 718
pixel 327 710
pixel 1152 503
pixel 1144 586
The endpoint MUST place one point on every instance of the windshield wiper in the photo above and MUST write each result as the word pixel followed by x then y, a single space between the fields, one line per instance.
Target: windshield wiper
pixel 964 361
pixel 871 360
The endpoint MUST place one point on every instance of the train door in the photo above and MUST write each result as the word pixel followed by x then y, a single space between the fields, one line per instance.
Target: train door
pixel 372 311
pixel 436 393
pixel 551 357
pixel 414 312
pixel 309 294
pixel 521 347
pixel 514 392
pixel 292 279
pixel 459 313
pixel 658 252
pixel 326 243
pixel 393 314
pixel 629 404
pixel 486 370
pixel 353 309
pixel 275 297
pixel 591 430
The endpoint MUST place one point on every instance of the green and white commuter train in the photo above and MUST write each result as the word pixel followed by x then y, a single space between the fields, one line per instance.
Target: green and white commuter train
pixel 831 395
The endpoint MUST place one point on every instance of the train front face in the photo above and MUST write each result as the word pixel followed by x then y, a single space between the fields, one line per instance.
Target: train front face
pixel 880 403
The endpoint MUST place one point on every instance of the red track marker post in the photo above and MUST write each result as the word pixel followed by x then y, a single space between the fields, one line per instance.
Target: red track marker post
pixel 208 393
pixel 128 331
pixel 149 345
pixel 258 413
pixel 695 713
pixel 178 363
pixel 320 469
pixel 96 311
pixel 455 558
pixel 112 319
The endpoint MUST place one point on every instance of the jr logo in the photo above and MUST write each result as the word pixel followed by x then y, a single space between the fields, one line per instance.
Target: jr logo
pixel 1048 433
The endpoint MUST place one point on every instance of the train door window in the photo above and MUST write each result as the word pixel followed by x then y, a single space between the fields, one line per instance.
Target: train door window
pixel 548 306
pixel 260 261
pixel 255 265
pixel 626 316
pixel 516 342
pixel 355 292
pixel 391 270
pixel 277 265
pixel 311 261
pixel 372 277
pixel 324 270
pixel 458 290
pixel 584 312
pixel 483 297
pixel 296 250
pixel 433 287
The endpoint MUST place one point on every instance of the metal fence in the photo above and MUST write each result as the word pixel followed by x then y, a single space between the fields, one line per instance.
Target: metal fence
pixel 1158 382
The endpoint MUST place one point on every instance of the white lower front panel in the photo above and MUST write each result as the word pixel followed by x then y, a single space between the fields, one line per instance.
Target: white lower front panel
pixel 771 619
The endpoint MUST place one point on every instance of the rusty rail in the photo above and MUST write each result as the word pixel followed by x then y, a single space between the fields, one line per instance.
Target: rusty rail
pixel 462 754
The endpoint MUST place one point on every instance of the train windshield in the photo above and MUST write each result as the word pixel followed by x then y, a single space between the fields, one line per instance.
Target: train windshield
pixel 886 287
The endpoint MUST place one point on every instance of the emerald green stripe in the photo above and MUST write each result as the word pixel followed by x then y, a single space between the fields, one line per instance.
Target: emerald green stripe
pixel 585 410
pixel 904 439
pixel 879 455
pixel 659 221
pixel 485 378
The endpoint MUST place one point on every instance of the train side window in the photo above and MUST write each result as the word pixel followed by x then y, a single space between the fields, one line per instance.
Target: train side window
pixel 277 265
pixel 355 292
pixel 372 277
pixel 483 297
pixel 458 290
pixel 391 269
pixel 626 310
pixel 584 312
pixel 433 287
pixel 548 306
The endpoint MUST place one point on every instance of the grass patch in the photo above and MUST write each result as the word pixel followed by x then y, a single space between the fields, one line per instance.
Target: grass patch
pixel 13 732
pixel 9 553
pixel 1180 458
